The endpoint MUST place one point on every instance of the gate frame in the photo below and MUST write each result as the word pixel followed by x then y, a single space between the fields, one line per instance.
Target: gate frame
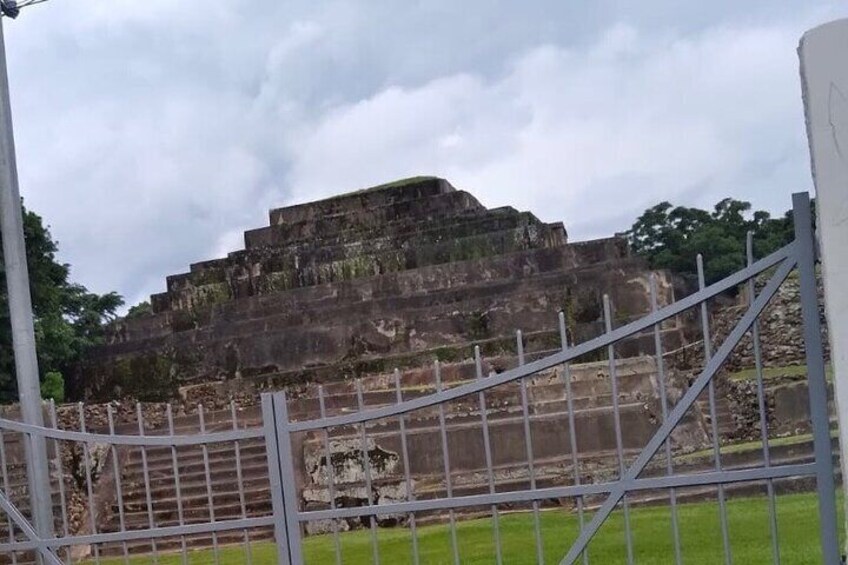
pixel 801 253
pixel 47 548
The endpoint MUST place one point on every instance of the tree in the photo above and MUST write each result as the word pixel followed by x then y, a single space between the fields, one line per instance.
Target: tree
pixel 672 237
pixel 68 318
pixel 140 310
pixel 53 387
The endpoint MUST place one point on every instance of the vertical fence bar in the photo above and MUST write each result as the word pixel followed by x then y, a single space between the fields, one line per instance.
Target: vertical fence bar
pixel 705 330
pixel 487 447
pixel 205 449
pixel 8 492
pixel 248 553
pixel 761 404
pixel 528 442
pixel 446 460
pixel 331 474
pixel 60 472
pixel 119 492
pixel 817 382
pixel 86 454
pixel 269 423
pixel 288 482
pixel 169 415
pixel 406 471
pixel 669 469
pixel 619 444
pixel 572 432
pixel 366 466
pixel 146 473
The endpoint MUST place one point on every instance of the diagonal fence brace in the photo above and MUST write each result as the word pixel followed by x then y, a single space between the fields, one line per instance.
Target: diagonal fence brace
pixel 22 523
pixel 680 409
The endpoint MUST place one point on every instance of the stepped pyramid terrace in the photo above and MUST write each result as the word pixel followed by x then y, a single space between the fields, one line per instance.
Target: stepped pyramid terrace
pixel 394 276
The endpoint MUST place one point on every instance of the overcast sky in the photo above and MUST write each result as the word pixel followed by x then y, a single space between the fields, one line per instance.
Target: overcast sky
pixel 151 133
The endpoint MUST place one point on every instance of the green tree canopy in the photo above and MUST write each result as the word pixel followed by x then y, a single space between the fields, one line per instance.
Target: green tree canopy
pixel 140 310
pixel 672 237
pixel 68 318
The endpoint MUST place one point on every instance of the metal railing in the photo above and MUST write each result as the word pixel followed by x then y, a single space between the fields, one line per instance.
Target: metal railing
pixel 161 457
pixel 179 495
pixel 284 433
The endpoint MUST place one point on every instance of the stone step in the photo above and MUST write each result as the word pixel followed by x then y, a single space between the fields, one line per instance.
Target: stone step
pixel 189 466
pixel 441 319
pixel 284 270
pixel 589 380
pixel 196 507
pixel 159 461
pixel 164 487
pixel 158 456
pixel 364 200
pixel 193 542
pixel 391 284
pixel 586 394
pixel 439 309
pixel 400 228
pixel 491 348
pixel 316 250
pixel 195 511
pixel 309 274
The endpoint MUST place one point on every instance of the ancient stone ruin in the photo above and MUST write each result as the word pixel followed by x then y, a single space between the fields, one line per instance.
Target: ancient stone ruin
pixel 373 287
pixel 393 276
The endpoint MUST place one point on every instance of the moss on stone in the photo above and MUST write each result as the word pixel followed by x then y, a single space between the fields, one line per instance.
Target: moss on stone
pixel 211 294
pixel 147 378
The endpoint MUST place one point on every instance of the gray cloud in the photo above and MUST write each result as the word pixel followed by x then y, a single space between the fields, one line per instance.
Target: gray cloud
pixel 150 134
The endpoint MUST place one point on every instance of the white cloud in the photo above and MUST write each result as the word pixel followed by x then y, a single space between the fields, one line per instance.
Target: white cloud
pixel 591 137
pixel 150 134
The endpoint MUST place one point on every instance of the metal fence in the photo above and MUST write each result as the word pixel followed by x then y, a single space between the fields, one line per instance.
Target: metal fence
pixel 98 517
pixel 208 483
pixel 283 432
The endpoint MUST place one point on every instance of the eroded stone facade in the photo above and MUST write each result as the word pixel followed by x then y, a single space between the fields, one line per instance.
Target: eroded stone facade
pixel 389 277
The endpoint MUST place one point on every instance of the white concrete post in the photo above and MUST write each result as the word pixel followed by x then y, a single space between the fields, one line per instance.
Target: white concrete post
pixel 824 82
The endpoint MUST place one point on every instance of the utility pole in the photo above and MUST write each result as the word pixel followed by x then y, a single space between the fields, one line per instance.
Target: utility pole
pixel 824 81
pixel 20 310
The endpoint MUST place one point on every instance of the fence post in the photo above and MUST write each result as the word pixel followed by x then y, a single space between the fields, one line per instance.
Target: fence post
pixel 804 240
pixel 289 484
pixel 272 452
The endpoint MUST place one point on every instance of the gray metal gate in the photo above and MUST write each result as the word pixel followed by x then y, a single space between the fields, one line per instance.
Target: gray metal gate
pixel 24 544
pixel 283 434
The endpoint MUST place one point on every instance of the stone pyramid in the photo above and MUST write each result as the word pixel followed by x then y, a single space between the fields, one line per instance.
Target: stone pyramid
pixel 392 276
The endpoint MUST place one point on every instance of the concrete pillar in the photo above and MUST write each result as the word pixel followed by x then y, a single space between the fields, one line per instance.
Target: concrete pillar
pixel 824 81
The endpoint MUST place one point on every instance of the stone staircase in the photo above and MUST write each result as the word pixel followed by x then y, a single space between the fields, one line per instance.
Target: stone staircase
pixel 15 487
pixel 227 501
pixel 549 421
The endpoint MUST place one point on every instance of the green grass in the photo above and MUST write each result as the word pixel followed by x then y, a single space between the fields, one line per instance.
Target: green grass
pixel 651 527
pixel 755 445
pixel 777 372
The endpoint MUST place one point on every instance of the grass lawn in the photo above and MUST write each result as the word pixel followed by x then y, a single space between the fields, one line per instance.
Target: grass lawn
pixel 746 446
pixel 651 526
pixel 774 372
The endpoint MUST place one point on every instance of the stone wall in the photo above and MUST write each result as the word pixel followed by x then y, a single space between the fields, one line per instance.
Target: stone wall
pixel 780 326
pixel 783 358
